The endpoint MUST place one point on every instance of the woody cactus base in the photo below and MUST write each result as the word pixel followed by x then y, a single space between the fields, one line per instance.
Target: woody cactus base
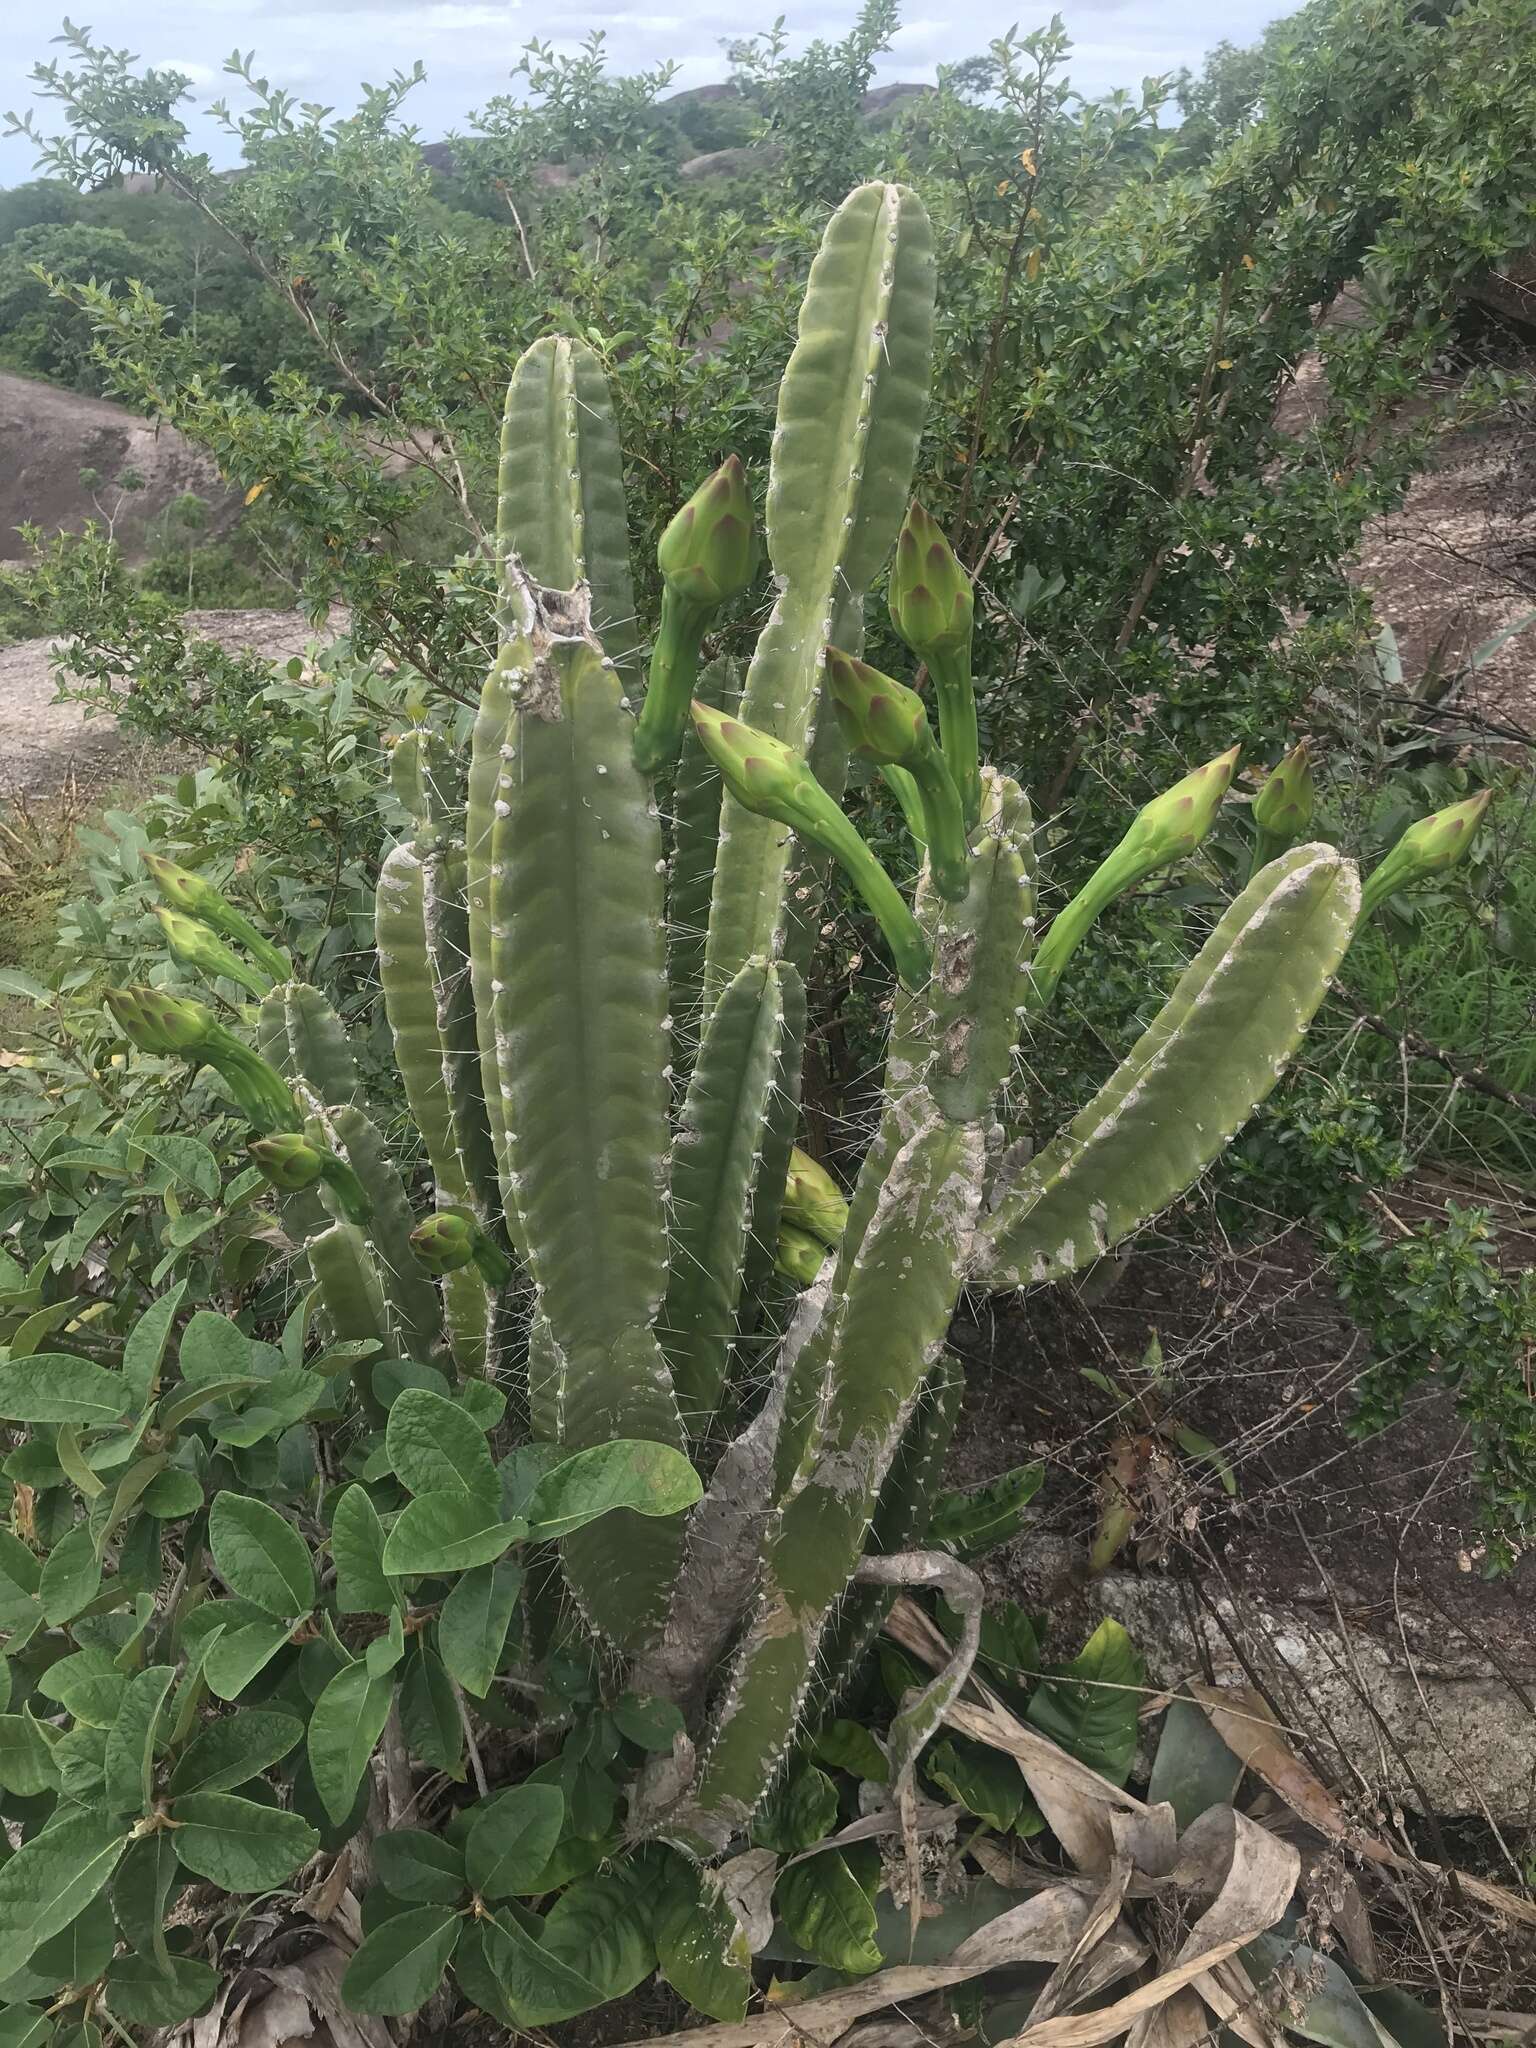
pixel 593 952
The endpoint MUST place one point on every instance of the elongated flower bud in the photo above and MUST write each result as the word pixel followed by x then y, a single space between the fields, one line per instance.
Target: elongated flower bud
pixel 885 722
pixel 449 1240
pixel 931 600
pixel 160 1023
pixel 767 777
pixel 1164 831
pixel 813 1201
pixel 288 1160
pixel 1282 810
pixel 708 552
pixel 798 1255
pixel 195 897
pixel 1433 844
pixel 194 945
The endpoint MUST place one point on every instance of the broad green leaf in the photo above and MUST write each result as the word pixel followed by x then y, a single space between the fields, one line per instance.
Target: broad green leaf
pixel 647 1478
pixel 800 1810
pixel 447 1532
pixel 23 2026
pixel 171 1494
pixel 130 1759
pixel 357 1545
pixel 420 1868
pixel 849 1746
pixel 540 1988
pixel 71 1576
pixel 435 1447
pixel 510 1845
pixel 27 1763
pixel 984 1781
pixel 474 1972
pixel 1322 2004
pixel 826 1912
pixel 241 1653
pixel 144 1351
pixel 233 1750
pixel 66 1448
pixel 401 1964
pixel 187 1158
pixel 141 1893
pixel 18 1566
pixel 600 1926
pixel 131 1488
pixel 284 1399
pixel 238 1845
pixel 53 1386
pixel 1091 1706
pixel 261 1556
pixel 73 1958
pixel 141 1994
pixel 429 1713
pixel 973 1522
pixel 180 1407
pixel 347 1722
pixel 1193 1768
pixel 52 1879
pixel 472 1627
pixel 213 1348
pixel 650 1722
pixel 701 1947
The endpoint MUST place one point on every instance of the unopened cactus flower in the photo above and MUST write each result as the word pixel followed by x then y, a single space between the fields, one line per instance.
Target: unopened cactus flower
pixel 196 897
pixel 1282 811
pixel 160 1023
pixel 449 1240
pixel 933 609
pixel 1425 849
pixel 798 1255
pixel 813 1201
pixel 773 780
pixel 885 722
pixel 292 1162
pixel 194 945
pixel 706 557
pixel 1167 829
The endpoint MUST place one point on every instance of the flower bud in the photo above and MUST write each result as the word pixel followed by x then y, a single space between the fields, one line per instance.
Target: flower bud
pixel 1434 843
pixel 287 1160
pixel 798 1255
pixel 194 945
pixel 1283 807
pixel 882 720
pixel 1174 824
pixel 813 1201
pixel 758 769
pixel 194 897
pixel 708 552
pixel 445 1242
pixel 932 604
pixel 160 1023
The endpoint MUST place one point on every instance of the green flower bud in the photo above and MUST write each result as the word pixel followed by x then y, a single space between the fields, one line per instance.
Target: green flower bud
pixel 1426 848
pixel 1289 797
pixel 449 1240
pixel 813 1201
pixel 288 1160
pixel 882 720
pixel 160 1023
pixel 194 897
pixel 798 1255
pixel 932 604
pixel 709 551
pixel 194 945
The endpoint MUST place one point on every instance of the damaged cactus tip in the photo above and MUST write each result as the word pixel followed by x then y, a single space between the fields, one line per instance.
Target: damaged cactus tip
pixel 813 1201
pixel 1427 848
pixel 772 780
pixel 707 556
pixel 194 896
pixel 450 1240
pixel 885 722
pixel 292 1163
pixel 1283 809
pixel 1167 829
pixel 932 607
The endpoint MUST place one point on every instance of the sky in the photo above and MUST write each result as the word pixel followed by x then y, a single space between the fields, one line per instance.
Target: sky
pixel 322 49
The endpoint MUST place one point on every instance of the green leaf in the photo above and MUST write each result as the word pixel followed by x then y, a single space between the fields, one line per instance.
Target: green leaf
pixel 213 1348
pixel 971 1523
pixel 187 1158
pixel 826 1912
pixel 647 1720
pixel 261 1556
pixel 539 1989
pixel 144 1351
pixel 52 1879
pixel 141 1892
pixel 849 1746
pixel 401 1964
pixel 74 1958
pixel 429 1713
pixel 1090 1706
pixel 53 1386
pixel 171 1494
pixel 448 1532
pixel 357 1545
pixel 27 1765
pixel 701 1946
pixel 142 1995
pixel 347 1722
pixel 983 1780
pixel 472 1627
pixel 233 1750
pixel 130 1762
pixel 1193 1768
pixel 238 1845
pixel 23 2026
pixel 600 1927
pixel 420 1868
pixel 180 1407
pixel 799 1812
pixel 647 1478
pixel 511 1843
pixel 241 1653
pixel 87 1685
pixel 71 1576
pixel 435 1447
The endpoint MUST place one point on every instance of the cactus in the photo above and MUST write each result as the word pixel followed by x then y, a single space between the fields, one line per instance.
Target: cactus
pixel 607 1107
